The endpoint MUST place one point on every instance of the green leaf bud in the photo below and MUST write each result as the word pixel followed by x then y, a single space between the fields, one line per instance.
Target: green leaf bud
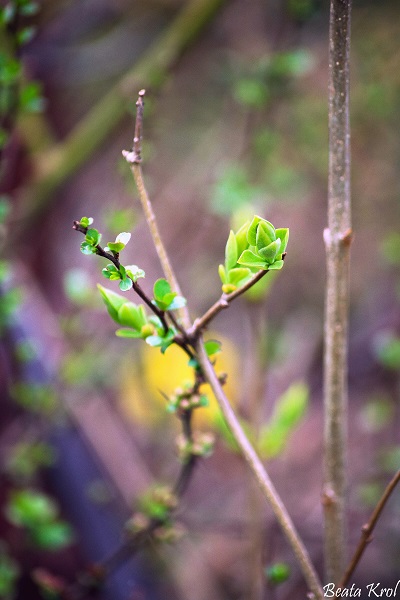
pixel 249 259
pixel 86 221
pixel 112 301
pixel 222 273
pixel 264 235
pixel 161 288
pixel 231 253
pixel 130 315
pixel 269 253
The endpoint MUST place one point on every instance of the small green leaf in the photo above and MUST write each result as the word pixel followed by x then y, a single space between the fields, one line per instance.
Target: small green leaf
pixel 269 253
pixel 161 288
pixel 112 301
pixel 231 252
pixel 134 272
pixel 238 275
pixel 128 333
pixel 252 231
pixel 87 248
pixel 125 284
pixel 276 266
pixel 86 221
pixel 177 302
pixel 283 235
pixel 212 347
pixel 222 273
pixel 265 235
pixel 249 259
pixel 241 238
pixel 93 237
pixel 130 315
pixel 116 247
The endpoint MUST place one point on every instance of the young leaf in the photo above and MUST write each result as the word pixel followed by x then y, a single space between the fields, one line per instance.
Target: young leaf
pixel 128 333
pixel 212 347
pixel 241 238
pixel 265 235
pixel 161 289
pixel 283 235
pixel 112 301
pixel 231 253
pixel 125 284
pixel 269 253
pixel 252 231
pixel 238 275
pixel 130 315
pixel 276 266
pixel 134 272
pixel 116 247
pixel 249 259
pixel 222 273
pixel 86 221
pixel 177 302
pixel 87 248
pixel 93 237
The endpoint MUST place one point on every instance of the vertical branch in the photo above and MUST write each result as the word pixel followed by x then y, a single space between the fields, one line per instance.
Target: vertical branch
pixel 134 159
pixel 337 241
pixel 260 474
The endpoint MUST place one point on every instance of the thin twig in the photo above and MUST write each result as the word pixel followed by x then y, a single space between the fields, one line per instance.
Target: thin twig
pixel 367 529
pixel 261 475
pixel 223 302
pixel 337 240
pixel 134 159
pixel 135 286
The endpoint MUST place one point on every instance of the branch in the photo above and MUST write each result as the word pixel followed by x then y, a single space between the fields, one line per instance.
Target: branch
pixel 367 529
pixel 135 286
pixel 223 302
pixel 261 475
pixel 134 159
pixel 337 240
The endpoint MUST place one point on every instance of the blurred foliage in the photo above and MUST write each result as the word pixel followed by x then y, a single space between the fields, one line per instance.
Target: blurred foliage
pixel 288 412
pixel 16 94
pixel 9 573
pixel 25 459
pixel 35 397
pixel 377 413
pixel 386 345
pixel 38 514
pixel 277 573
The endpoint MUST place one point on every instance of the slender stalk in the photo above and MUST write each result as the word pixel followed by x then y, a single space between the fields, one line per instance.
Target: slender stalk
pixel 261 475
pixel 337 241
pixel 223 302
pixel 367 529
pixel 134 159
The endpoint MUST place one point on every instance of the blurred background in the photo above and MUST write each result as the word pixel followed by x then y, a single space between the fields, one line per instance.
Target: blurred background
pixel 235 125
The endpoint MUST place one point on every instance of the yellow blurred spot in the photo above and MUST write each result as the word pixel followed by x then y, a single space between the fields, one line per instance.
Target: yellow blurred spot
pixel 143 383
